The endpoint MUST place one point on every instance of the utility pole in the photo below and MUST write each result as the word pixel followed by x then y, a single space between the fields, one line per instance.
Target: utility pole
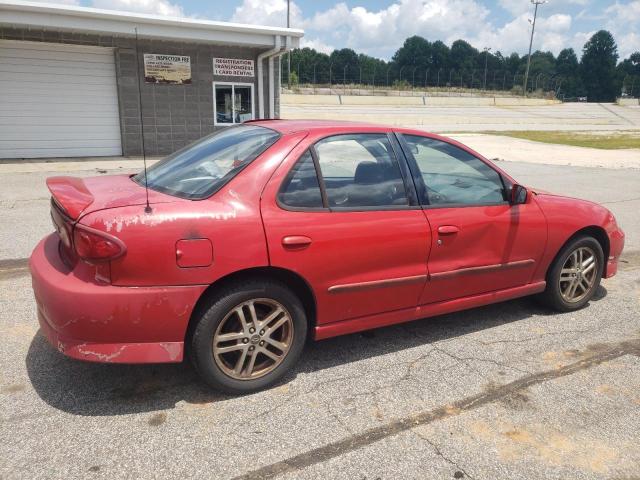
pixel 533 27
pixel 486 57
pixel 289 53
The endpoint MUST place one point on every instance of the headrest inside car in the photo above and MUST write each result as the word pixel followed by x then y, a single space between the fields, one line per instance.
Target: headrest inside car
pixel 369 172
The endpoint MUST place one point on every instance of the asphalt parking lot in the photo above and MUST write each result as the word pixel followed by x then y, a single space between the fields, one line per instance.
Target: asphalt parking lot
pixel 504 391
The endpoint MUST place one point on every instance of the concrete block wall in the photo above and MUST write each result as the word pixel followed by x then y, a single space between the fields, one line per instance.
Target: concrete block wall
pixel 173 115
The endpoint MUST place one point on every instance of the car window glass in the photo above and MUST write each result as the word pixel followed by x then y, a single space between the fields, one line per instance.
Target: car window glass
pixel 301 189
pixel 360 170
pixel 453 176
pixel 202 168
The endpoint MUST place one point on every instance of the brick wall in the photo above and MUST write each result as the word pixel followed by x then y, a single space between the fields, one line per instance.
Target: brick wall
pixel 173 115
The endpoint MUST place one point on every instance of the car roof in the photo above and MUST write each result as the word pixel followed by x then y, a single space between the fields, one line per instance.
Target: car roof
pixel 289 126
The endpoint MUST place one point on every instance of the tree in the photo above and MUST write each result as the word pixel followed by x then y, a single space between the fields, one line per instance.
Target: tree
pixel 463 56
pixel 345 65
pixel 567 68
pixel 598 67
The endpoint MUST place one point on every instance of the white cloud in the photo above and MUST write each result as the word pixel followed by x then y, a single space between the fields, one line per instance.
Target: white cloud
pixel 624 24
pixel 267 12
pixel 518 7
pixel 156 7
pixel 381 31
pixel 317 45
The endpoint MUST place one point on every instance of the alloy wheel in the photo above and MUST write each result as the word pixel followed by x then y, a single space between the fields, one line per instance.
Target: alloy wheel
pixel 578 274
pixel 253 339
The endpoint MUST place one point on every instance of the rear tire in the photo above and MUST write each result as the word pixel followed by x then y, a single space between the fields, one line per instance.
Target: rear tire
pixel 574 275
pixel 249 336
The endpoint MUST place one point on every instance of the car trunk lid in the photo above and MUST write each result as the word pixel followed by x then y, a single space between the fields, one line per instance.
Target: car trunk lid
pixel 78 196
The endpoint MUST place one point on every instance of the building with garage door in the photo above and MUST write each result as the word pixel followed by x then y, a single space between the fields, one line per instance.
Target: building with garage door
pixel 72 79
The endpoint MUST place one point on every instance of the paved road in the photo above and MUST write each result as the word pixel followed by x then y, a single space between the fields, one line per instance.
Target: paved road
pixel 566 116
pixel 504 391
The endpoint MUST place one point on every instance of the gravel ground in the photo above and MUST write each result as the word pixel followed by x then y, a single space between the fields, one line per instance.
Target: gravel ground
pixel 504 391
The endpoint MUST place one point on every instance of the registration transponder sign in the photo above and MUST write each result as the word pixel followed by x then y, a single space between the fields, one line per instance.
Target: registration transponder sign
pixel 233 67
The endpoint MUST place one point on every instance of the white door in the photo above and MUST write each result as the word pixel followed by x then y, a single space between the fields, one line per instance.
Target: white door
pixel 57 101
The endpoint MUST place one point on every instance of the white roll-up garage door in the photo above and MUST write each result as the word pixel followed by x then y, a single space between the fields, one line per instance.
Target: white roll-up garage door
pixel 57 101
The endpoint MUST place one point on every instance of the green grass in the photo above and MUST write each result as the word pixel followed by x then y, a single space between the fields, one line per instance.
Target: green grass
pixel 605 141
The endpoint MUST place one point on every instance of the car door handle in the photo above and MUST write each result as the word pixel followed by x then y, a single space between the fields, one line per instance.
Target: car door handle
pixel 296 241
pixel 448 229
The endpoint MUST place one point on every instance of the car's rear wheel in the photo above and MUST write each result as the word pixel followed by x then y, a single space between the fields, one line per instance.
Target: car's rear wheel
pixel 574 275
pixel 248 336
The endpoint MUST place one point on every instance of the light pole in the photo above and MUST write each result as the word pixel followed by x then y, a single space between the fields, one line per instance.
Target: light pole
pixel 413 77
pixel 373 77
pixel 289 53
pixel 438 84
pixel 426 79
pixel 486 57
pixel 533 27
pixel 330 67
pixel 344 79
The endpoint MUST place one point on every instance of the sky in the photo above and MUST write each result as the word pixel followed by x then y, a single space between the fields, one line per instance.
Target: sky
pixel 378 27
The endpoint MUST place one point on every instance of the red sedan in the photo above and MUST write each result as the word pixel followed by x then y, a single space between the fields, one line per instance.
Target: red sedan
pixel 256 237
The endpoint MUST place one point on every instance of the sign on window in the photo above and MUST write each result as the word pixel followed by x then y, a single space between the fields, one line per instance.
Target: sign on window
pixel 174 69
pixel 233 67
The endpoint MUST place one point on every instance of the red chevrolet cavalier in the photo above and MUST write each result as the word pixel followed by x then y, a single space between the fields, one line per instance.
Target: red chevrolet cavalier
pixel 264 234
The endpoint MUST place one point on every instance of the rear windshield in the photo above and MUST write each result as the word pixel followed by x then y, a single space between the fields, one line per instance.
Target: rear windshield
pixel 202 168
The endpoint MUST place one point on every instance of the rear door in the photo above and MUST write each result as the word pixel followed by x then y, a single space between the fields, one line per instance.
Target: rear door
pixel 480 242
pixel 342 212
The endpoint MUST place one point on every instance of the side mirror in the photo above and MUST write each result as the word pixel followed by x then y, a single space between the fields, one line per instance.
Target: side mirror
pixel 518 195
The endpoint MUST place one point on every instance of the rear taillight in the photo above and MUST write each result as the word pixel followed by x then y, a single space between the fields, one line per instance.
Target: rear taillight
pixel 94 246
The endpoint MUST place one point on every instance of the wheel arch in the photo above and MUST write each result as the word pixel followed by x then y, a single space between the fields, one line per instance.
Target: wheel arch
pixel 291 279
pixel 594 231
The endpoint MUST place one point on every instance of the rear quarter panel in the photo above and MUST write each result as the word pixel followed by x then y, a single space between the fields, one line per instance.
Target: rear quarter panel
pixel 230 219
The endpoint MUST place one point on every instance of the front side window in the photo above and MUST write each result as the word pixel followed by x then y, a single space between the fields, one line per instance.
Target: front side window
pixel 453 176
pixel 233 103
pixel 202 168
pixel 360 170
pixel 301 188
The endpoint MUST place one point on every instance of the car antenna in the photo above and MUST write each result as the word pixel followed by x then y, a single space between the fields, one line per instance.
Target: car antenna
pixel 147 208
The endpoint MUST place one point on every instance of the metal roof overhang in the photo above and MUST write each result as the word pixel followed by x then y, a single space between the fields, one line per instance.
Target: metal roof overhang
pixel 25 14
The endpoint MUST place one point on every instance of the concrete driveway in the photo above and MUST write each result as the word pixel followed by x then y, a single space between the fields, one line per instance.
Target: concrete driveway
pixel 504 391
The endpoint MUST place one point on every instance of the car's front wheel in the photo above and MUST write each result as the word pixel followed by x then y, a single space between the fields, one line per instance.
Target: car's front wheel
pixel 574 275
pixel 249 336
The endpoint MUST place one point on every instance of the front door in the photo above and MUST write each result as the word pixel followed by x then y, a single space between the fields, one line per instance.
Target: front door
pixel 480 242
pixel 338 212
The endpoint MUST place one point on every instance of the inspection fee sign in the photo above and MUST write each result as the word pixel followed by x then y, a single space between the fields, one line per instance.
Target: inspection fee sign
pixel 233 67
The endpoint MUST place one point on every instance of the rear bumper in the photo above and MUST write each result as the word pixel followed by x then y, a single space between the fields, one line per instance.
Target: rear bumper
pixel 616 245
pixel 103 323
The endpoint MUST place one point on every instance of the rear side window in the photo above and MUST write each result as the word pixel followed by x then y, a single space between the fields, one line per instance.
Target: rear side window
pixel 301 188
pixel 360 170
pixel 202 168
pixel 453 176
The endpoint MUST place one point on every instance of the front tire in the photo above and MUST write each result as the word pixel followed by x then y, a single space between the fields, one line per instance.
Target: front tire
pixel 249 336
pixel 574 275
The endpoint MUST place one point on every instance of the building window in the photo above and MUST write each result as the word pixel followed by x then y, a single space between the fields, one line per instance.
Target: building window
pixel 233 103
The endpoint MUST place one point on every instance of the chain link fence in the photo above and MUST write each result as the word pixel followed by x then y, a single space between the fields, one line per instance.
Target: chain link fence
pixel 408 80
